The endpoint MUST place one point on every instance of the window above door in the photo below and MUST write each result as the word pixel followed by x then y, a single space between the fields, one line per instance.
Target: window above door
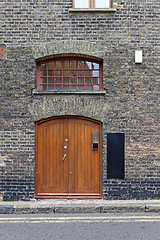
pixel 69 74
pixel 92 3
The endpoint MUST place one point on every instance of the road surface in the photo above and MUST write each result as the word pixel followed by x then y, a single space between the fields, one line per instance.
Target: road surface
pixel 129 226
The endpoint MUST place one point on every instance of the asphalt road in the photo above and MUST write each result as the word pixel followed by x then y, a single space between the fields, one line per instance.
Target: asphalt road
pixel 133 226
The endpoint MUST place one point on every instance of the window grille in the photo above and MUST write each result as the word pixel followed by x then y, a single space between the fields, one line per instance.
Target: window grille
pixel 69 74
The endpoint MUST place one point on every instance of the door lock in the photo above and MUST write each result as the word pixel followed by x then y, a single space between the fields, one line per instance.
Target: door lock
pixel 70 173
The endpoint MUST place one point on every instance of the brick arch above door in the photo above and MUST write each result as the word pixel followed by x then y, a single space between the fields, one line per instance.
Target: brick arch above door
pixel 47 106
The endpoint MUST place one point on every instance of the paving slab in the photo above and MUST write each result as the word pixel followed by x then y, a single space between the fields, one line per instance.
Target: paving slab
pixel 78 206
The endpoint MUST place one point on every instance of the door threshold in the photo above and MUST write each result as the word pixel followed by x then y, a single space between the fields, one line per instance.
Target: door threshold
pixel 75 196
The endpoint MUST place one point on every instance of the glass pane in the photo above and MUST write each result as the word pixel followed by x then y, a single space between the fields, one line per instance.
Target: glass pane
pixel 73 64
pixel 88 80
pixel 43 66
pixel 73 73
pixel 73 88
pixel 65 73
pixel 102 3
pixel 58 73
pixel 88 87
pixel 50 65
pixel 51 80
pixel 66 65
pixel 81 88
pixel 80 80
pixel 73 80
pixel 81 74
pixel 58 80
pixel 58 65
pixel 43 73
pixel 66 80
pixel 95 65
pixel 81 3
pixel 43 87
pixel 44 80
pixel 88 65
pixel 95 73
pixel 88 73
pixel 58 87
pixel 50 87
pixel 66 87
pixel 95 80
pixel 81 65
pixel 50 73
pixel 96 87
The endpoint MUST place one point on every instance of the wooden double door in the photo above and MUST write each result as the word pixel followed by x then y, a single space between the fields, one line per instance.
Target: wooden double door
pixel 67 166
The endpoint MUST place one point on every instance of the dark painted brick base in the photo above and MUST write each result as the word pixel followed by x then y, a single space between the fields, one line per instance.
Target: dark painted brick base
pixel 132 190
pixel 15 190
pixel 123 190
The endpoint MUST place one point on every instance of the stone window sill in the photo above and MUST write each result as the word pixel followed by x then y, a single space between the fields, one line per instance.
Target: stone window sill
pixel 37 92
pixel 92 10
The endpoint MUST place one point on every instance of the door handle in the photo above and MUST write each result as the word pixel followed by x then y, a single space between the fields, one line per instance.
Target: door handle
pixel 65 155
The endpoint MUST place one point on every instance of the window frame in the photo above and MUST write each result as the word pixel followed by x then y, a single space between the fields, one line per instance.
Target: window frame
pixel 92 4
pixel 69 58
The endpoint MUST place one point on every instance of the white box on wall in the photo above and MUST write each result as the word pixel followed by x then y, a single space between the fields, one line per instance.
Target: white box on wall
pixel 138 56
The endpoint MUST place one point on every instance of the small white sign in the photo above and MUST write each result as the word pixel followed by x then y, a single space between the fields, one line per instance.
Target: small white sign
pixel 138 56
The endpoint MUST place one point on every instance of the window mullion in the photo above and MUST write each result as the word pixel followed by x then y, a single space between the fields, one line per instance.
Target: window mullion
pixel 47 77
pixel 77 75
pixel 110 3
pixel 84 74
pixel 69 76
pixel 100 77
pixel 54 75
pixel 92 77
pixel 39 77
pixel 73 4
pixel 93 3
pixel 62 76
pixel 90 3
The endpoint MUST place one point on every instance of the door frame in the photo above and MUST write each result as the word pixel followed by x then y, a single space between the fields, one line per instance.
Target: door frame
pixel 63 195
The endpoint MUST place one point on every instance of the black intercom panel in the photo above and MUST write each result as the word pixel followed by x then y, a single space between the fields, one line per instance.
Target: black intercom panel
pixel 95 140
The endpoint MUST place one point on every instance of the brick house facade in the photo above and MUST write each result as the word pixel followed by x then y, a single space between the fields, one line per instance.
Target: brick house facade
pixel 36 30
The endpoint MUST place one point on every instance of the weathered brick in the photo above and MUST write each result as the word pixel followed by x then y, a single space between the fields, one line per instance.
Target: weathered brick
pixel 31 30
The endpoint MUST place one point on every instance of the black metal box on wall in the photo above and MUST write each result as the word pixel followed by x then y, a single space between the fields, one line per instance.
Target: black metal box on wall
pixel 115 155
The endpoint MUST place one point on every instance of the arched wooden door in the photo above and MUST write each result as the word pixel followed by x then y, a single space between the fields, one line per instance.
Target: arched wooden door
pixel 67 166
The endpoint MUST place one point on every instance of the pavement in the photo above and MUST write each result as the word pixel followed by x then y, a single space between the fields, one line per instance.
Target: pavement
pixel 78 206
